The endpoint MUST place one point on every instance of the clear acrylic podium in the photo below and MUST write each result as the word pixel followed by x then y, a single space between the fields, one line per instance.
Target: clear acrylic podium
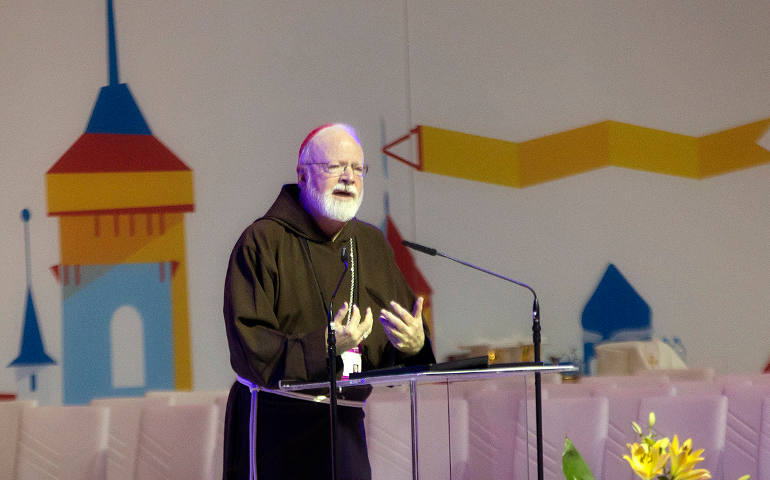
pixel 456 383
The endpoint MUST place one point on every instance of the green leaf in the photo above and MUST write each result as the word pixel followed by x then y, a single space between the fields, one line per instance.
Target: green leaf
pixel 572 463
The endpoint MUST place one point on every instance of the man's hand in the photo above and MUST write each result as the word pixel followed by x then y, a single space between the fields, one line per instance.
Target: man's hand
pixel 404 329
pixel 353 332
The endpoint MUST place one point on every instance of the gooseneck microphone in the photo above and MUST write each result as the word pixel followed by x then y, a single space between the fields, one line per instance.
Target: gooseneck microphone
pixel 434 252
pixel 421 248
pixel 535 340
pixel 331 347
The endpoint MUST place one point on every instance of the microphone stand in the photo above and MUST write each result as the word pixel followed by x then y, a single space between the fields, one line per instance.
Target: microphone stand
pixel 331 347
pixel 535 343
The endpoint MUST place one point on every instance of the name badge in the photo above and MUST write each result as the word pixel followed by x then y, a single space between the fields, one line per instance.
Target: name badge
pixel 352 362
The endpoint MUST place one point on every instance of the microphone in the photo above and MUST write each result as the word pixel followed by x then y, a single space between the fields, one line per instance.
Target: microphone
pixel 434 252
pixel 535 341
pixel 420 248
pixel 331 346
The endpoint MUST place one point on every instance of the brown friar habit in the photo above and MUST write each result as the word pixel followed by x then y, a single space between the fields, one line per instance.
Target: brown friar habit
pixel 280 279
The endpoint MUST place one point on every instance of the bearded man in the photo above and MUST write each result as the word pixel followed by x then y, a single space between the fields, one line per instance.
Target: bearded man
pixel 282 273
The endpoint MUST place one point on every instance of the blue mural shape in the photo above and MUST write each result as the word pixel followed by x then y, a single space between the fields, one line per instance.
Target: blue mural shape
pixel 32 355
pixel 88 320
pixel 615 312
pixel 116 112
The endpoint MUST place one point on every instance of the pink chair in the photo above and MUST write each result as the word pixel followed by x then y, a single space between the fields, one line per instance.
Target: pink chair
pixel 125 414
pixel 742 378
pixel 702 418
pixel 744 420
pixel 388 436
pixel 583 420
pixel 389 439
pixel 221 403
pixel 680 374
pixel 764 442
pixel 545 379
pixel 441 413
pixel 568 390
pixel 184 397
pixel 62 443
pixel 624 403
pixel 704 387
pixel 176 441
pixel 626 379
pixel 492 420
pixel 10 422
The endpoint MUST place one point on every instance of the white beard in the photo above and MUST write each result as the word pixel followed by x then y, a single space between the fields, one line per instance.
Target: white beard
pixel 327 206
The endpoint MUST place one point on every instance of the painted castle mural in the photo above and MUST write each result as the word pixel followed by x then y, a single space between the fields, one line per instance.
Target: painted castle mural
pixel 121 196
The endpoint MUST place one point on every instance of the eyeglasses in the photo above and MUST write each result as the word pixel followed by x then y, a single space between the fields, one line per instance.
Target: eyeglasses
pixel 337 169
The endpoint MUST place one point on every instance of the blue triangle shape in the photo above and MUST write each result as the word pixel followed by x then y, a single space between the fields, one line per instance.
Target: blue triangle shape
pixel 116 111
pixel 614 309
pixel 615 305
pixel 32 350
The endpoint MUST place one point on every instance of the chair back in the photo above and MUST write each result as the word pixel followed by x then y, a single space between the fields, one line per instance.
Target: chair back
pixel 183 397
pixel 492 420
pixel 624 402
pixel 583 420
pixel 703 387
pixel 764 443
pixel 388 434
pixel 389 438
pixel 62 442
pixel 631 380
pixel 568 390
pixel 125 414
pixel 10 423
pixel 176 441
pixel 705 374
pixel 744 428
pixel 703 418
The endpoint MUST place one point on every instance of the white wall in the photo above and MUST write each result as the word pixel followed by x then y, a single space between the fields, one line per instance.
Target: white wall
pixel 697 250
pixel 232 87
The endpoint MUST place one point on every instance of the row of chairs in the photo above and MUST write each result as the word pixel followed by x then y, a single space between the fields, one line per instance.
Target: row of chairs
pixel 472 430
pixel 486 429
pixel 164 435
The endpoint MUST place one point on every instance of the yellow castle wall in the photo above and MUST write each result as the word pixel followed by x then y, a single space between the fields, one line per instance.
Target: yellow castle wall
pixel 137 238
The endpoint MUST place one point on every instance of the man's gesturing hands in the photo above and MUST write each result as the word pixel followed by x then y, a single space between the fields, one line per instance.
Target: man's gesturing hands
pixel 404 329
pixel 354 331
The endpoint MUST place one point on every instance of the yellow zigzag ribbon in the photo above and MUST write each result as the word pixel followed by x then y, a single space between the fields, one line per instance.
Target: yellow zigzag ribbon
pixel 483 159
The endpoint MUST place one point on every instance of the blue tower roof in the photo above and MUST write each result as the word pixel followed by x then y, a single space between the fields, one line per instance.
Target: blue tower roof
pixel 32 352
pixel 615 305
pixel 116 110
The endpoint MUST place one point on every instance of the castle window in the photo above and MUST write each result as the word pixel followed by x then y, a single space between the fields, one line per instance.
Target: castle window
pixel 127 342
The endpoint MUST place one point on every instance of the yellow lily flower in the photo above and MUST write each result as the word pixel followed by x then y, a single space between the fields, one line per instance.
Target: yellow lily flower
pixel 653 458
pixel 683 461
pixel 647 461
